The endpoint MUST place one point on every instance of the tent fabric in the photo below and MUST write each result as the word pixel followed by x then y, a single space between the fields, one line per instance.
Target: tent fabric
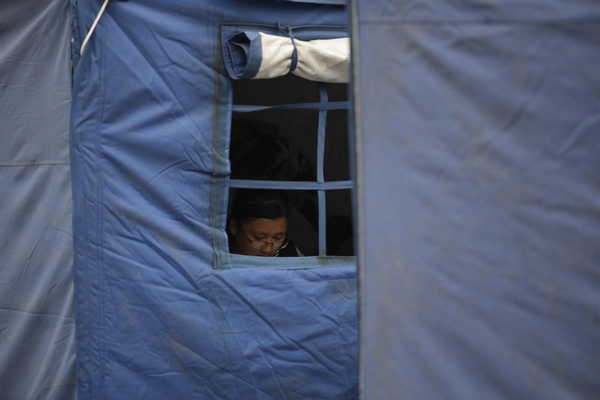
pixel 37 327
pixel 257 55
pixel 154 319
pixel 479 198
pixel 478 188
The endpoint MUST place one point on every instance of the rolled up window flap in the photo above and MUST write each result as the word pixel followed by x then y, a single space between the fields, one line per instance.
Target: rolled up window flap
pixel 324 60
pixel 243 55
pixel 257 55
pixel 277 52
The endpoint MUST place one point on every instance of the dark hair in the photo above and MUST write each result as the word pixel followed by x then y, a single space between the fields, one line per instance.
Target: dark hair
pixel 250 204
pixel 258 151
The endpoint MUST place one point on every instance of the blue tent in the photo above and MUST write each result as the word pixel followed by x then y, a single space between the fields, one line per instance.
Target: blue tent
pixel 471 180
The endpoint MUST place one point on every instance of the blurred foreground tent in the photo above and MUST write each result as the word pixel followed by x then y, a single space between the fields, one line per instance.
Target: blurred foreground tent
pixel 448 189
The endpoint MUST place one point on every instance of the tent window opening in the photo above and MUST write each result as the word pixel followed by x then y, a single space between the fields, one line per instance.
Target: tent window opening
pixel 288 133
pixel 303 151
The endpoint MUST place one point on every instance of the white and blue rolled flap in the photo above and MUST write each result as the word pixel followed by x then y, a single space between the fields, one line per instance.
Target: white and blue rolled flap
pixel 256 54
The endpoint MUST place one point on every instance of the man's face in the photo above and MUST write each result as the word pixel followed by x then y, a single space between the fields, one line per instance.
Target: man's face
pixel 255 233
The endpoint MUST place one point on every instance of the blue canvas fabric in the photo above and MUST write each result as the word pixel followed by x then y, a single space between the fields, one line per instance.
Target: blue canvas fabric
pixel 479 208
pixel 37 328
pixel 479 195
pixel 155 320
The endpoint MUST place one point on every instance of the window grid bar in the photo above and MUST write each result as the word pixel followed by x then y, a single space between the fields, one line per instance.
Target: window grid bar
pixel 320 173
pixel 334 105
pixel 290 185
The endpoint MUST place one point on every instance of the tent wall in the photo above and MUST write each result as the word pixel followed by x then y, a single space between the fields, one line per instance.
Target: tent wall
pixel 479 193
pixel 37 335
pixel 479 211
pixel 155 320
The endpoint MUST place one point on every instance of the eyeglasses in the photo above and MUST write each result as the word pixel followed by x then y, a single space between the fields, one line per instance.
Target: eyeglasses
pixel 261 244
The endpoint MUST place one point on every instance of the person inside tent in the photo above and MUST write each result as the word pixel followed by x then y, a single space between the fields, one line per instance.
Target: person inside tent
pixel 258 224
pixel 259 152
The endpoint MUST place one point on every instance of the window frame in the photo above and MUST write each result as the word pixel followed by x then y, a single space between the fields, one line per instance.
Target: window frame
pixel 221 182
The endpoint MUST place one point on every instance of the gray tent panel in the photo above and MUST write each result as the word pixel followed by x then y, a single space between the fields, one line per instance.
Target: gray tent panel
pixel 37 336
pixel 480 199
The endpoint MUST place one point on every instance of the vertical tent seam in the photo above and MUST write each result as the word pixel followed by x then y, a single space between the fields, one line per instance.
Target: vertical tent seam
pixel 99 227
